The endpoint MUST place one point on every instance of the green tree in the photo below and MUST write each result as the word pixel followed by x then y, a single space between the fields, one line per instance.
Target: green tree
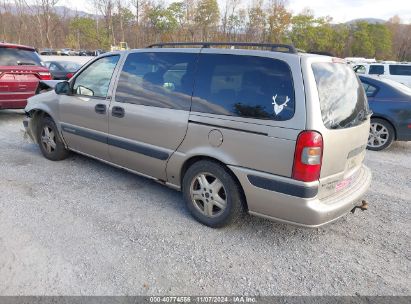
pixel 178 11
pixel 323 35
pixel 302 32
pixel 382 40
pixel 162 20
pixel 362 45
pixel 279 19
pixel 236 24
pixel 83 33
pixel 207 17
pixel 255 27
pixel 339 40
pixel 319 34
pixel 122 21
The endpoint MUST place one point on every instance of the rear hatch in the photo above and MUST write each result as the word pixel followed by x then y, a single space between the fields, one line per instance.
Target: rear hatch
pixel 339 112
pixel 20 72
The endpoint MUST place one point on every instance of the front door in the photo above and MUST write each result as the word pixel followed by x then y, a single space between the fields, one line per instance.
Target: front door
pixel 84 113
pixel 149 114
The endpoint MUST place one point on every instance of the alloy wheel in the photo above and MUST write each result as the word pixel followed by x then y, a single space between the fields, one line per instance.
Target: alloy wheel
pixel 208 194
pixel 378 136
pixel 48 139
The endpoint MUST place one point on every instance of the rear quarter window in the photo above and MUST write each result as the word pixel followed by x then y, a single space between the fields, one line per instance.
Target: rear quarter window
pixel 369 89
pixel 244 86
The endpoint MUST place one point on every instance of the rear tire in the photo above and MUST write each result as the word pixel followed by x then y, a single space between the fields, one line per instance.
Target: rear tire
pixel 49 140
pixel 212 195
pixel 381 135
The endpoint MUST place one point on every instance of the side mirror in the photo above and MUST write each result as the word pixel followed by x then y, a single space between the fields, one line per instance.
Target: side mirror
pixel 62 88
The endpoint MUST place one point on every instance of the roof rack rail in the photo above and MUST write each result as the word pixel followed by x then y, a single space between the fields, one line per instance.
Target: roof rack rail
pixel 274 47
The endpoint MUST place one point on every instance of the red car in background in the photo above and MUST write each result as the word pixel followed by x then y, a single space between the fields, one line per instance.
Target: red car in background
pixel 20 71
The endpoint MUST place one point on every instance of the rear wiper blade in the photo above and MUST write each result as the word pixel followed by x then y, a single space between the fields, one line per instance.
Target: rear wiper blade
pixel 336 126
pixel 364 115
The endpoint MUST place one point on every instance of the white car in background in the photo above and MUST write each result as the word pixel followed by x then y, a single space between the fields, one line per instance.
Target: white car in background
pixel 400 72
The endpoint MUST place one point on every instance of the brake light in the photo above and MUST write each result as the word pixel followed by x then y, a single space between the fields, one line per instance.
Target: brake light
pixel 69 75
pixel 45 76
pixel 308 156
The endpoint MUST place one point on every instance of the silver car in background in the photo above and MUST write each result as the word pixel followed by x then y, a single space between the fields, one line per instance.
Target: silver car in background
pixel 271 132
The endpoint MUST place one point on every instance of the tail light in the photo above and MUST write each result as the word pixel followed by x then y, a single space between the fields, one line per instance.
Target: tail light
pixel 45 76
pixel 308 156
pixel 69 75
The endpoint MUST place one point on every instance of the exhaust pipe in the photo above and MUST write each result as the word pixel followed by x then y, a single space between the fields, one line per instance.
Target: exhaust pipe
pixel 363 207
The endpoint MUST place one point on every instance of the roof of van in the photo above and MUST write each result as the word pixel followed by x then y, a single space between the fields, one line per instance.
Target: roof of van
pixel 288 48
pixel 240 46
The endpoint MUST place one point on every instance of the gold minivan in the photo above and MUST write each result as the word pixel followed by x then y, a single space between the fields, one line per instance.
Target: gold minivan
pixel 237 127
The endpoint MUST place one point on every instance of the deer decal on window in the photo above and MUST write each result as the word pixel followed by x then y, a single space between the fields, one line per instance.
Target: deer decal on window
pixel 279 108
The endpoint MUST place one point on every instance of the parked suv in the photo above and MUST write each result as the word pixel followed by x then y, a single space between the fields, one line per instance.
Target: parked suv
pixel 273 132
pixel 400 72
pixel 20 71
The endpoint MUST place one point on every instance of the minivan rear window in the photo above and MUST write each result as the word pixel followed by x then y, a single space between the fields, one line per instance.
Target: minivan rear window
pixel 342 98
pixel 404 70
pixel 14 57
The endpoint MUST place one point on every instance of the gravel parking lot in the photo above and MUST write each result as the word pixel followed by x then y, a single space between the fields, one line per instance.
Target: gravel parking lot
pixel 81 227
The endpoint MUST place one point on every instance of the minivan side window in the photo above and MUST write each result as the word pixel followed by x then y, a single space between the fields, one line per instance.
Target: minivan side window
pixel 95 79
pixel 404 70
pixel 244 86
pixel 376 69
pixel 157 79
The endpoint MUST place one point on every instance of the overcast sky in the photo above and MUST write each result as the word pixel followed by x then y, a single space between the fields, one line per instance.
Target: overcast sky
pixel 339 10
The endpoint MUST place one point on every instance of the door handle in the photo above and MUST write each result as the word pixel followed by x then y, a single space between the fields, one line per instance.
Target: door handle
pixel 100 108
pixel 117 112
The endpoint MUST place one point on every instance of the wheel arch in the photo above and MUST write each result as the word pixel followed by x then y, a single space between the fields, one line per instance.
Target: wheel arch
pixel 196 158
pixel 36 115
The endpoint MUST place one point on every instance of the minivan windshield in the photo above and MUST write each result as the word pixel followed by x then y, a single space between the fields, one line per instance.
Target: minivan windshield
pixel 15 56
pixel 342 98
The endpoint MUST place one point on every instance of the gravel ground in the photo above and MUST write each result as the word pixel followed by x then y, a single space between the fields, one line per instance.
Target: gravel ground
pixel 80 227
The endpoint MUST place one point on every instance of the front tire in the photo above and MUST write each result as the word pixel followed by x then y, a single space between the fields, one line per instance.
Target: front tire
pixel 212 195
pixel 49 140
pixel 381 135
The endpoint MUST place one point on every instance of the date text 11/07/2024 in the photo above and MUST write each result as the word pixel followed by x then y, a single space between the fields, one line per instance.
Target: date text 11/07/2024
pixel 203 299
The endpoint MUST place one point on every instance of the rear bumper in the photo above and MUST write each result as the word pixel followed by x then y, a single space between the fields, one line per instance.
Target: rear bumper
pixel 285 200
pixel 13 104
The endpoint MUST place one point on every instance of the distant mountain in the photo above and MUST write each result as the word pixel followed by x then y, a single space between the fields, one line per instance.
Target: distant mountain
pixel 368 20
pixel 65 11
pixel 61 11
